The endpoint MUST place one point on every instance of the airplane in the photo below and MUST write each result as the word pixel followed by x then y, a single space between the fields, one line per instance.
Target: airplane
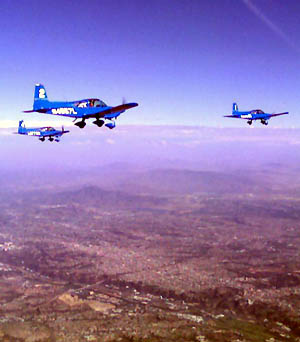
pixel 41 132
pixel 255 114
pixel 81 109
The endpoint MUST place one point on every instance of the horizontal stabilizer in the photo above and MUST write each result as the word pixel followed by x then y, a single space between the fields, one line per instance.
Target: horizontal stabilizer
pixel 28 111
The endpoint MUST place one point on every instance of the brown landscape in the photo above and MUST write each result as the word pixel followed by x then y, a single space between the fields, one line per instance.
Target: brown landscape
pixel 154 255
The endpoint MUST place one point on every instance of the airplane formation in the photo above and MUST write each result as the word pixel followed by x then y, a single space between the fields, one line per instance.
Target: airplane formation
pixel 102 114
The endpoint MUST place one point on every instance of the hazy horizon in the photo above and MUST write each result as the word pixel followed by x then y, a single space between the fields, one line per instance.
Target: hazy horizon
pixel 110 158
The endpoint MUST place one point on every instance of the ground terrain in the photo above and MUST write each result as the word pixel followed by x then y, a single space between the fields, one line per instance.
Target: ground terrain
pixel 192 260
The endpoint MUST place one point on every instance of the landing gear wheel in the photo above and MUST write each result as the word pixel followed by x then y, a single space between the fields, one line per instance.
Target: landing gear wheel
pixel 249 122
pixel 51 139
pixel 99 123
pixel 110 125
pixel 80 124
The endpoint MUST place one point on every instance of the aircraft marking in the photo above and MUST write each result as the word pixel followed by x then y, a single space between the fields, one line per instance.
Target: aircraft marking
pixel 42 93
pixel 83 105
pixel 63 110
pixel 34 133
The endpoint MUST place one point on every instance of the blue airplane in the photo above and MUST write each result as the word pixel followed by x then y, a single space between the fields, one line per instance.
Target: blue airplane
pixel 41 132
pixel 255 114
pixel 81 109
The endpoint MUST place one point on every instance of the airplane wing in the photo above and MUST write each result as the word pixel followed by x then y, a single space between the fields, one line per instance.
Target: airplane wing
pixel 271 115
pixel 44 110
pixel 233 117
pixel 112 110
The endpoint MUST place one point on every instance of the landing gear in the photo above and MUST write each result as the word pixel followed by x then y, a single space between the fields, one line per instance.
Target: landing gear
pixel 42 139
pixel 111 125
pixel 264 122
pixel 249 122
pixel 51 139
pixel 99 123
pixel 80 124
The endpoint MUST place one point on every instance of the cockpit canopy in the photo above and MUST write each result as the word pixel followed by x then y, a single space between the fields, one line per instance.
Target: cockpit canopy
pixel 47 129
pixel 96 103
pixel 257 111
pixel 90 103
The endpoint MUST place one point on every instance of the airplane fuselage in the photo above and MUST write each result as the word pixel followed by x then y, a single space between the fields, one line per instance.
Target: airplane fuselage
pixel 81 109
pixel 41 132
pixel 71 109
pixel 252 116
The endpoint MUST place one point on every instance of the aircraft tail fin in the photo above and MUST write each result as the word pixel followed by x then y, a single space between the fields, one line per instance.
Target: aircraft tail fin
pixel 63 130
pixel 235 108
pixel 40 97
pixel 21 127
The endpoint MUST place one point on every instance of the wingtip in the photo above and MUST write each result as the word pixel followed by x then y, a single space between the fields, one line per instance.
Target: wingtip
pixel 133 104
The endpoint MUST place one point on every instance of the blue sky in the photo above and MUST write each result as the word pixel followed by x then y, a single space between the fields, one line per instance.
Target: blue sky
pixel 183 61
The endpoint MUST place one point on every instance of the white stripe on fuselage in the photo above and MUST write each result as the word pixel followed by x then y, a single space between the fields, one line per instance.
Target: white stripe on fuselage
pixel 246 116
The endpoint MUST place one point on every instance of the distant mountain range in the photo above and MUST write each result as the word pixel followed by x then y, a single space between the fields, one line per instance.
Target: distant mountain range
pixel 170 181
pixel 93 196
pixel 128 186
